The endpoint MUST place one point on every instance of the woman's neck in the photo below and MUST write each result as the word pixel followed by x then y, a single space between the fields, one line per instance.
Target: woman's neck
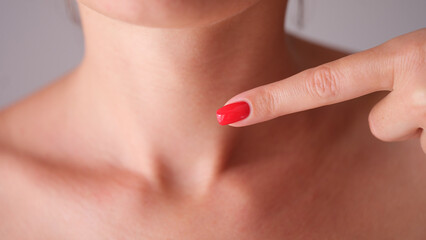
pixel 160 88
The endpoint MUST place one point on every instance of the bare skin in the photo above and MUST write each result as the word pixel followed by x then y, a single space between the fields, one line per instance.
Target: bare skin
pixel 141 156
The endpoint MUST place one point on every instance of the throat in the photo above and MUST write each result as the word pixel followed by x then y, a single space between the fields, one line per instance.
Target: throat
pixel 153 93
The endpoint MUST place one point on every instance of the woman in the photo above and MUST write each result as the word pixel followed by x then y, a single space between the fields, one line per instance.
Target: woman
pixel 127 146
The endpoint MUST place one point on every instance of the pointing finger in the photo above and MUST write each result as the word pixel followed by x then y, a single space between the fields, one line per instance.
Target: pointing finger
pixel 344 79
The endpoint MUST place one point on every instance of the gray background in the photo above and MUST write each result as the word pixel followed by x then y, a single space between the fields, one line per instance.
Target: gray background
pixel 39 40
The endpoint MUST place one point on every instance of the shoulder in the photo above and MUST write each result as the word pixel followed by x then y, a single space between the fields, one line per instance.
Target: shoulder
pixel 24 127
pixel 26 122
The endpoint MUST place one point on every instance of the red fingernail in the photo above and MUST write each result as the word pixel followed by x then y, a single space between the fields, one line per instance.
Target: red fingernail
pixel 233 112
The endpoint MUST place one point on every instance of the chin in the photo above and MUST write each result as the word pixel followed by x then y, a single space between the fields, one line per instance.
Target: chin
pixel 169 13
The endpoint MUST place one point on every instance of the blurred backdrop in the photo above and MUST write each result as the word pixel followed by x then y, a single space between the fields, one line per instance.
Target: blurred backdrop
pixel 39 40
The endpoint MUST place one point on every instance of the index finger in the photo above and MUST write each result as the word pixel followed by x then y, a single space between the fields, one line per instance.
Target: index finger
pixel 343 79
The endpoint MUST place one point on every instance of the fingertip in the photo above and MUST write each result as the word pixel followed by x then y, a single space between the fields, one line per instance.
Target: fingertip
pixel 233 112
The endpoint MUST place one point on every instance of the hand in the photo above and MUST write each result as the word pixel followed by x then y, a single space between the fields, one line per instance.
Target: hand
pixel 398 65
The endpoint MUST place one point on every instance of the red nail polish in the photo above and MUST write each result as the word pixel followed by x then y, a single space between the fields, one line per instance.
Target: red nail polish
pixel 233 112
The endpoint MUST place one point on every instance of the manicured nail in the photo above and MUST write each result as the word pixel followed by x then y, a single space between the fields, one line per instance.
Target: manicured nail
pixel 233 112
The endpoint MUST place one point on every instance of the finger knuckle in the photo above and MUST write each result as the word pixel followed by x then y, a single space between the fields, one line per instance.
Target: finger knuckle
pixel 268 102
pixel 411 57
pixel 323 83
pixel 414 57
pixel 406 42
pixel 407 53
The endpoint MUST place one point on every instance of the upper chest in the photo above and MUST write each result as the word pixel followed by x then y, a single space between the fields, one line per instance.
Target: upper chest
pixel 373 199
